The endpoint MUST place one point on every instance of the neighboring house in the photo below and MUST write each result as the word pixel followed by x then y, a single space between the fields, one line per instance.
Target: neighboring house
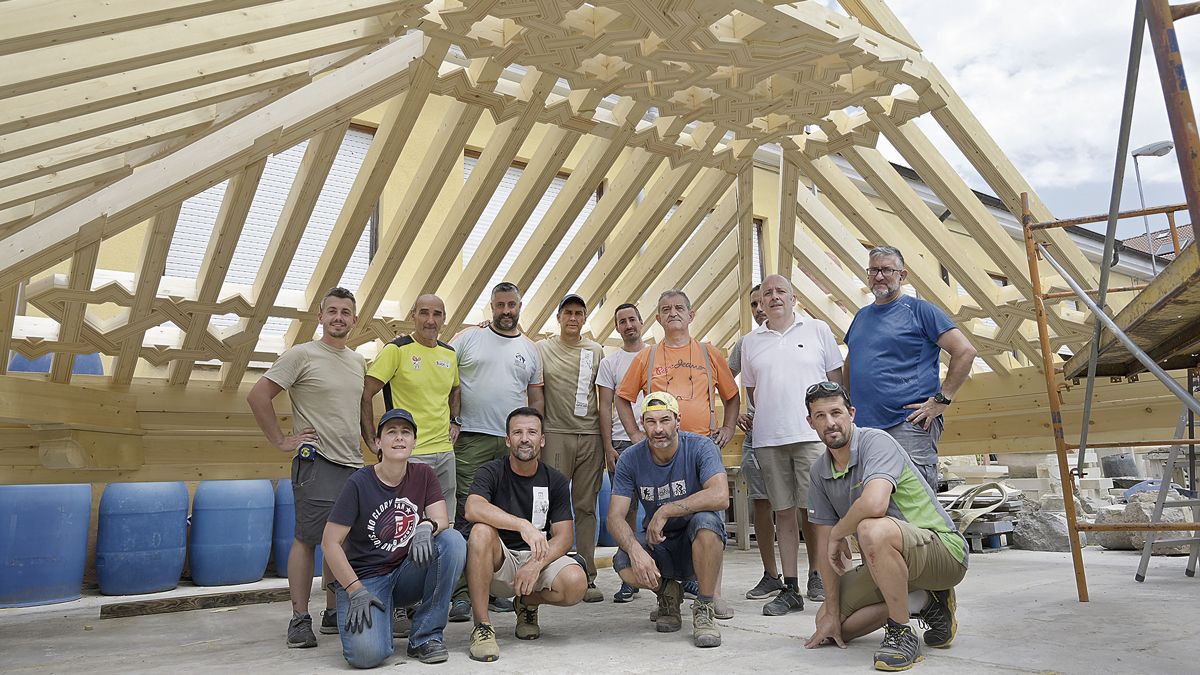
pixel 1159 242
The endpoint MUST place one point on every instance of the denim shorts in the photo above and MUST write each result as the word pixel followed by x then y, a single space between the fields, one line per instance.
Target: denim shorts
pixel 674 555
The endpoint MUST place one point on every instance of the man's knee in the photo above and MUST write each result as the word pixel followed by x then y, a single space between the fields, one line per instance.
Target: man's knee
pixel 451 545
pixel 364 652
pixel 483 539
pixel 571 582
pixel 877 533
pixel 707 523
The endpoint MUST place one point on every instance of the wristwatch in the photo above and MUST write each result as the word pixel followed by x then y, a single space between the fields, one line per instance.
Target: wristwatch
pixel 941 398
pixel 456 420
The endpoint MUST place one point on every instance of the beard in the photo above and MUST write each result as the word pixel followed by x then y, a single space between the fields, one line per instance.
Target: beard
pixel 885 292
pixel 835 439
pixel 525 452
pixel 505 321
pixel 337 331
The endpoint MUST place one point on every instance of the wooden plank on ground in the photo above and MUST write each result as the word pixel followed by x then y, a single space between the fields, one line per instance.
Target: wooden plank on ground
pixel 187 603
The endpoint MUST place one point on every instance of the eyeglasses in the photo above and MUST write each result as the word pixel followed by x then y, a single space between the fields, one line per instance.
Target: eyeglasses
pixel 827 386
pixel 872 272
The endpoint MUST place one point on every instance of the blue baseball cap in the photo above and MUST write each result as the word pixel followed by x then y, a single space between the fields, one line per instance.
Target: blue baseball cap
pixel 397 414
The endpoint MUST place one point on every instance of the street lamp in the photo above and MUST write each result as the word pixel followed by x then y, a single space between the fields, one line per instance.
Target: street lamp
pixel 1156 149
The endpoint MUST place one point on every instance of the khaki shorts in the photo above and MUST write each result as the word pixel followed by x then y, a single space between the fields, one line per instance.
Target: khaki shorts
pixel 316 485
pixel 785 470
pixel 503 579
pixel 931 567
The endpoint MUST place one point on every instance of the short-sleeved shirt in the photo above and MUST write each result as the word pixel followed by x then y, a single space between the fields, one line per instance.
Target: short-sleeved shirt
pixel 896 351
pixel 874 454
pixel 419 379
pixel 735 367
pixel 495 372
pixel 569 377
pixel 325 386
pixel 382 519
pixel 640 477
pixel 543 498
pixel 780 366
pixel 612 370
pixel 680 371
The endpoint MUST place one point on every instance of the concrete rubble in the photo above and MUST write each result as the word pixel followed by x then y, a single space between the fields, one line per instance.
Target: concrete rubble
pixel 1139 510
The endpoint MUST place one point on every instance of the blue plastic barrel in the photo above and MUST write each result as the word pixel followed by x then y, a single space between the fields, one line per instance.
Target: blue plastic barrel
pixel 84 364
pixel 141 537
pixel 604 499
pixel 284 532
pixel 43 543
pixel 230 540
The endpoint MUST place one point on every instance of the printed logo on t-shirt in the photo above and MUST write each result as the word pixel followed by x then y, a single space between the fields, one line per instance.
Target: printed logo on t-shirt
pixel 541 506
pixel 660 370
pixel 416 362
pixel 441 363
pixel 519 361
pixel 393 524
pixel 662 493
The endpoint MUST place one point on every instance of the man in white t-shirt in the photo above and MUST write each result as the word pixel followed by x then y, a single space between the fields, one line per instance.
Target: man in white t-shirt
pixel 612 433
pixel 780 359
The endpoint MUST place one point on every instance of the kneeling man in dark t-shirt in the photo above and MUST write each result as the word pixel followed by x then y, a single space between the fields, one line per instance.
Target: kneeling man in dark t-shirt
pixel 522 529
pixel 389 544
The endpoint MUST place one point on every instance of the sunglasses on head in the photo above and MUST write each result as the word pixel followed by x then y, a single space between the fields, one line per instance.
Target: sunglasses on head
pixel 827 386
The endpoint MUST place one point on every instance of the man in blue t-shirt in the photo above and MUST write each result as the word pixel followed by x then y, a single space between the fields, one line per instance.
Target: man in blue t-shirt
pixel 895 344
pixel 681 482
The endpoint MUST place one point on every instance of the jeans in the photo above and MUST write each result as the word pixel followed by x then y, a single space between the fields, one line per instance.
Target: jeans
pixel 674 555
pixel 409 583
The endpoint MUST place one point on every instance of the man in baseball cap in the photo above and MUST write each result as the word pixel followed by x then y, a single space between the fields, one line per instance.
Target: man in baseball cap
pixel 681 482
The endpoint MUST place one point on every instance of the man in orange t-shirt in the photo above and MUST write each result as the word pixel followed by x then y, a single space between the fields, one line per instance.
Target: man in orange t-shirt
pixel 686 369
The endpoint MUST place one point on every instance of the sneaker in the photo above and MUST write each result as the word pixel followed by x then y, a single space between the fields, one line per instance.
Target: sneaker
pixel 704 628
pixel 691 589
pixel 300 632
pixel 593 594
pixel 499 605
pixel 767 586
pixel 939 620
pixel 527 620
pixel 402 624
pixel 460 611
pixel 816 587
pixel 900 648
pixel 669 600
pixel 788 600
pixel 625 594
pixel 483 643
pixel 430 652
pixel 329 622
pixel 721 609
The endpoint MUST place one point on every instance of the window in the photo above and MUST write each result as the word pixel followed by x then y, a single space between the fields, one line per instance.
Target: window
pixel 198 216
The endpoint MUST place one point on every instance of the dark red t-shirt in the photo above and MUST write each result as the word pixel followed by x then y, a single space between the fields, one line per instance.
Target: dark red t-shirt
pixel 383 519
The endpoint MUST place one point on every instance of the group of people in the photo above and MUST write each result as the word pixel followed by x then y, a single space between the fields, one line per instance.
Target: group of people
pixel 491 449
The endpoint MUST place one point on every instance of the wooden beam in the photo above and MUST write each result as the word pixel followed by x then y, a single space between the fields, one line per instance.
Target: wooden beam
pixel 187 603
pixel 711 242
pixel 92 58
pixel 83 268
pixel 64 448
pixel 403 227
pixel 490 169
pixel 391 137
pixel 8 315
pixel 789 178
pixel 227 229
pixel 150 271
pixel 712 305
pixel 875 14
pixel 744 192
pixel 664 244
pixel 554 149
pixel 326 102
pixel 30 400
pixel 277 260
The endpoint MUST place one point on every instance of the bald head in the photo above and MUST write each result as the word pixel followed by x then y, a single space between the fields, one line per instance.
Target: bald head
pixel 428 316
pixel 779 299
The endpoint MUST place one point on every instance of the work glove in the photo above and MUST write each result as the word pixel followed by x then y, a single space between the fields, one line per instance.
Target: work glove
pixel 359 613
pixel 421 547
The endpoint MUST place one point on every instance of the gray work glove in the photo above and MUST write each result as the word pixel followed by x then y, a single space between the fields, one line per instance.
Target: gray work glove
pixel 359 613
pixel 421 547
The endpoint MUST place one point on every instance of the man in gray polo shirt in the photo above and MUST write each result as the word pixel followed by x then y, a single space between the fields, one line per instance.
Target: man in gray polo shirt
pixel 867 486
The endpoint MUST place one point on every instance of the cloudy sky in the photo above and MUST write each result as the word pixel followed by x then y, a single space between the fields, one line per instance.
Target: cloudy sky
pixel 1047 79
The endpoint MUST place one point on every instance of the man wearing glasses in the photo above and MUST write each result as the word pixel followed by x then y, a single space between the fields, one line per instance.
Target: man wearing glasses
pixel 895 344
pixel 865 485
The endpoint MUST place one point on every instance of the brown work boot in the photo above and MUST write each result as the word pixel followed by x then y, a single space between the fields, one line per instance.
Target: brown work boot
pixel 704 628
pixel 670 597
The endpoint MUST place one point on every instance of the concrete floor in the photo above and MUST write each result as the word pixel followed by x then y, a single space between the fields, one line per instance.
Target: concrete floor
pixel 1017 613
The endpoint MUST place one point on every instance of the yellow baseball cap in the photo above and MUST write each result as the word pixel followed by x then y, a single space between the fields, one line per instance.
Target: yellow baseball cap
pixel 660 400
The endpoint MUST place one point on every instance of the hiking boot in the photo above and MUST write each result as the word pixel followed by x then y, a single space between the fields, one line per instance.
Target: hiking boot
pixel 767 586
pixel 939 620
pixel 691 589
pixel 721 609
pixel 329 622
pixel 816 587
pixel 654 614
pixel 499 605
pixel 670 597
pixel 430 652
pixel 460 611
pixel 900 648
pixel 704 628
pixel 300 632
pixel 527 620
pixel 788 600
pixel 593 594
pixel 483 643
pixel 402 624
pixel 625 594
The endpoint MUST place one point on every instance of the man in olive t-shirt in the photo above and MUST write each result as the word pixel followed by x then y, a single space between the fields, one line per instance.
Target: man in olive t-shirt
pixel 570 363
